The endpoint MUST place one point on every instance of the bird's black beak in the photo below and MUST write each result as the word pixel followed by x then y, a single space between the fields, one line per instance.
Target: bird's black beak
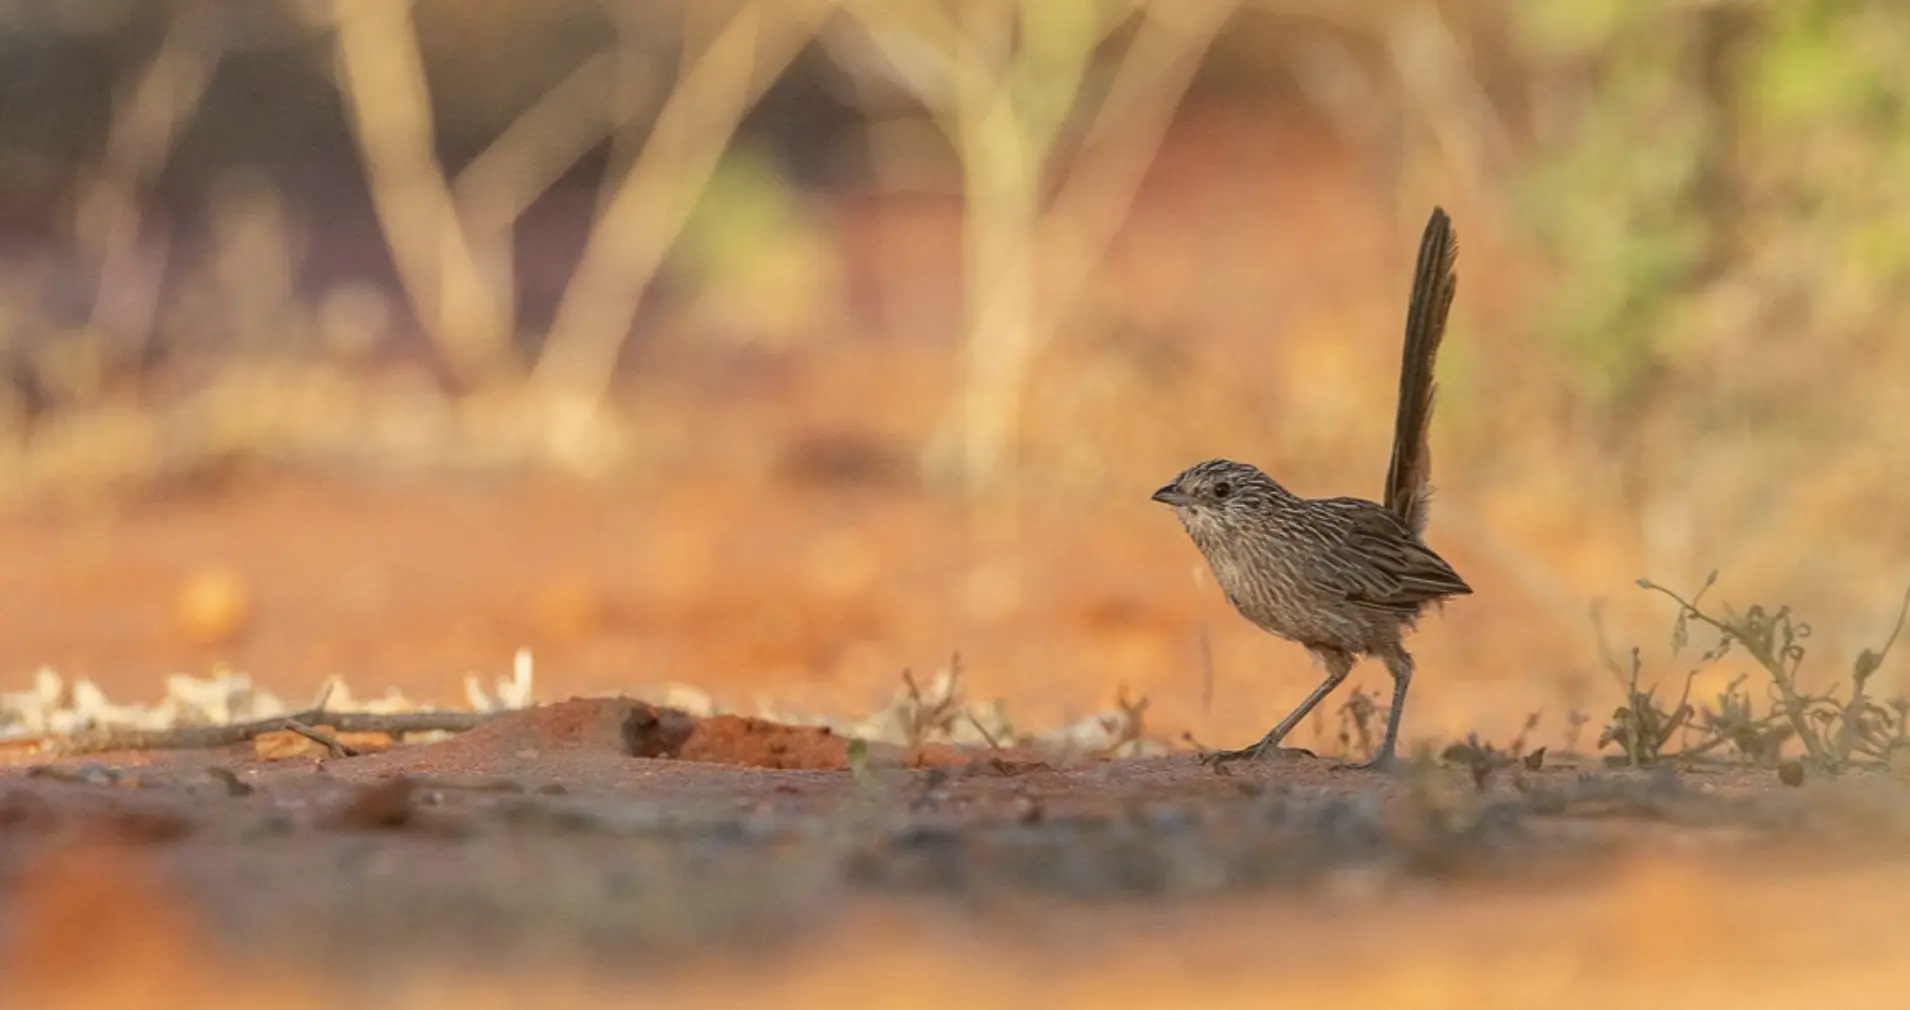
pixel 1172 495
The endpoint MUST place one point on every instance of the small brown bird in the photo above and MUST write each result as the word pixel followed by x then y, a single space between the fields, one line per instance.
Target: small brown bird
pixel 1344 577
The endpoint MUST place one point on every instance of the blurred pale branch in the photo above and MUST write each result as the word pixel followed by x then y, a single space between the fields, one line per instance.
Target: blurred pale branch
pixel 495 189
pixel 1134 117
pixel 1437 83
pixel 140 137
pixel 629 239
pixel 452 240
pixel 383 81
pixel 1004 107
pixel 637 80
pixel 544 142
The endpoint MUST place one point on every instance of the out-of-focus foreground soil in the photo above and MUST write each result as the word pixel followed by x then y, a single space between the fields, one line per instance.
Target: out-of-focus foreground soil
pixel 601 852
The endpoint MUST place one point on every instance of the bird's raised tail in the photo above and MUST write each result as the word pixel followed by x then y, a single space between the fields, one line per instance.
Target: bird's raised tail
pixel 1408 476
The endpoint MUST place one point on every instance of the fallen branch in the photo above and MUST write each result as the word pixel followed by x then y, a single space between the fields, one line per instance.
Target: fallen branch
pixel 326 740
pixel 115 738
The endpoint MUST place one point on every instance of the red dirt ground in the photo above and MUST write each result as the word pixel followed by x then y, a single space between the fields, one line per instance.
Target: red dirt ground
pixel 816 601
pixel 154 866
pixel 516 837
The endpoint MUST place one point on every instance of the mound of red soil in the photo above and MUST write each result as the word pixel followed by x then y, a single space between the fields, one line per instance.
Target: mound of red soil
pixel 641 730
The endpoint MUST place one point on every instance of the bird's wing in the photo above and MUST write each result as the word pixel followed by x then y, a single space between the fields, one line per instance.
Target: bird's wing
pixel 1377 562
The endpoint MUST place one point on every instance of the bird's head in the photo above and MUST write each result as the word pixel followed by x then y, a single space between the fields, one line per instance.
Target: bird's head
pixel 1220 490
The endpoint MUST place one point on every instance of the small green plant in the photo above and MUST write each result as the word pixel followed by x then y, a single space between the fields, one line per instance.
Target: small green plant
pixel 1358 715
pixel 1481 758
pixel 1835 734
pixel 858 760
pixel 1642 727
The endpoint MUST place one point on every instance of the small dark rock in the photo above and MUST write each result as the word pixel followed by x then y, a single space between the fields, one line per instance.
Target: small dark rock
pixel 229 779
pixel 385 804
pixel 650 732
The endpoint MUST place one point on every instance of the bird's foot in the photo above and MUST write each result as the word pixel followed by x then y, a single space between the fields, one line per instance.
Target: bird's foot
pixel 1389 764
pixel 1258 752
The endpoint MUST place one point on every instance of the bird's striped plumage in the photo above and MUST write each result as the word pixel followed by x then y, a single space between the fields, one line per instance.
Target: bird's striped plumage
pixel 1343 573
pixel 1345 577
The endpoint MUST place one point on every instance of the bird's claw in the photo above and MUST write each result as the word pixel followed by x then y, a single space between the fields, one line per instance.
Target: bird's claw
pixel 1219 759
pixel 1386 763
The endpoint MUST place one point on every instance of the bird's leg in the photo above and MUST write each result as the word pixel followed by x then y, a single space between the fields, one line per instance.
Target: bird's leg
pixel 1400 665
pixel 1338 666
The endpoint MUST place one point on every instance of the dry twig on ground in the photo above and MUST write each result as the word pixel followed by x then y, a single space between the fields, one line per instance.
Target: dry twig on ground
pixel 116 738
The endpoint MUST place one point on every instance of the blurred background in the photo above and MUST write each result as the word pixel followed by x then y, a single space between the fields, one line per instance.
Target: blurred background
pixel 776 346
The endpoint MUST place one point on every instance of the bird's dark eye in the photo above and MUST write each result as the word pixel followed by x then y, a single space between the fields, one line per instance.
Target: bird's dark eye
pixel 1223 489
